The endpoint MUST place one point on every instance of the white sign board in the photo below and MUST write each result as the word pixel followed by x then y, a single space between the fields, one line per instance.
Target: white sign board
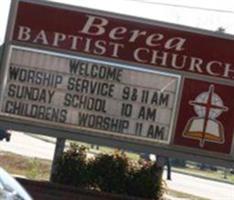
pixel 91 95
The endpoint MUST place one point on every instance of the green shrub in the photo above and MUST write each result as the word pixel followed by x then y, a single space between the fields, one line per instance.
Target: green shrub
pixel 109 173
pixel 145 181
pixel 72 168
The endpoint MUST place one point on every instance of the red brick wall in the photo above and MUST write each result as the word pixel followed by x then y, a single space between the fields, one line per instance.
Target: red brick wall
pixel 49 191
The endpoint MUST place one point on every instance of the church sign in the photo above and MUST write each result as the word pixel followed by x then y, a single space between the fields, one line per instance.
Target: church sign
pixel 90 95
pixel 126 79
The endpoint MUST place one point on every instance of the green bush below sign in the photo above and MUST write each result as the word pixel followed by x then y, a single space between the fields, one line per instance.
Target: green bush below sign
pixel 113 173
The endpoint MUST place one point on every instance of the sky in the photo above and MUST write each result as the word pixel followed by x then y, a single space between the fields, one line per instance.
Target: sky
pixel 203 14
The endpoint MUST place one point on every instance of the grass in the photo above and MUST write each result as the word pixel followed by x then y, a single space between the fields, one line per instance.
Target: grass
pixel 32 168
pixel 185 196
pixel 214 175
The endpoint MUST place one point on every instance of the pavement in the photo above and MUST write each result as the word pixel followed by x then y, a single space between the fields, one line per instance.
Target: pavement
pixel 26 145
pixel 200 187
pixel 33 147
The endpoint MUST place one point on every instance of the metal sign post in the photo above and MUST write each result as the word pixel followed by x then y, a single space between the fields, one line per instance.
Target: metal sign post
pixel 58 152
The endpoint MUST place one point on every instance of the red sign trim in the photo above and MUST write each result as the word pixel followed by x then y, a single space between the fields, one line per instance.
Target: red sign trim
pixel 134 41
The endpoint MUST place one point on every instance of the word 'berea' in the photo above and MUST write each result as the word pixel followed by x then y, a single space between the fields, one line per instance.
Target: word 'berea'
pixel 97 26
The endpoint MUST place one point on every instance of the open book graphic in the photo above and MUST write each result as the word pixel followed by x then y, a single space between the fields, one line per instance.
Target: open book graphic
pixel 213 132
pixel 208 106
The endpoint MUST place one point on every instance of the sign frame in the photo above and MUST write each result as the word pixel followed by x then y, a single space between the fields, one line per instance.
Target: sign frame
pixel 100 132
pixel 139 146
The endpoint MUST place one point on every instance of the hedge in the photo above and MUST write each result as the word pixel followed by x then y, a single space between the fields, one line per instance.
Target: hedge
pixel 113 173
